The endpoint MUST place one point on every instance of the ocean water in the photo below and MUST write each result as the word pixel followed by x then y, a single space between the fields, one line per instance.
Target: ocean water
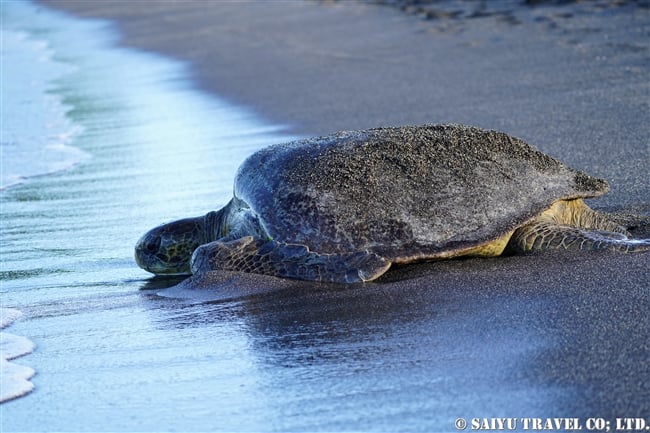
pixel 38 143
pixel 99 144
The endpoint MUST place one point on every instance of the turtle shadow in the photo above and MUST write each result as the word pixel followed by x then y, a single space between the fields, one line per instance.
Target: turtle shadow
pixel 226 286
pixel 222 286
pixel 159 282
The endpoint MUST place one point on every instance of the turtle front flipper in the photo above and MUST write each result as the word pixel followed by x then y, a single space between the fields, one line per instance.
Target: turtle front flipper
pixel 254 255
pixel 543 235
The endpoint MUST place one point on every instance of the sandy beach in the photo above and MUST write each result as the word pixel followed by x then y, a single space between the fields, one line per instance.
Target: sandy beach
pixel 553 335
pixel 570 80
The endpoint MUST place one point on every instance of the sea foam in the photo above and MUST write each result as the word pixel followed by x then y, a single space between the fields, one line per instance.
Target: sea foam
pixel 14 378
pixel 35 133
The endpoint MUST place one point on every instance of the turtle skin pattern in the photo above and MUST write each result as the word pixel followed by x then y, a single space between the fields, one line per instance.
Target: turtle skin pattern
pixel 268 257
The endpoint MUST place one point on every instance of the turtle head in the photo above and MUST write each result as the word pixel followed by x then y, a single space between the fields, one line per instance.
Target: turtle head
pixel 167 249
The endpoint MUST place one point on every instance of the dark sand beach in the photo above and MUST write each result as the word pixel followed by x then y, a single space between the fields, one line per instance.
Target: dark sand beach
pixel 553 335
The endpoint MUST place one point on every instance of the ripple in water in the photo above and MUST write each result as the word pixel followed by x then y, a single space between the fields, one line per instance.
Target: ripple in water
pixel 142 146
pixel 38 143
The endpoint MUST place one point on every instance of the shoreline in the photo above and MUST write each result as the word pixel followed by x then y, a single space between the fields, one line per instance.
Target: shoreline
pixel 328 66
pixel 523 336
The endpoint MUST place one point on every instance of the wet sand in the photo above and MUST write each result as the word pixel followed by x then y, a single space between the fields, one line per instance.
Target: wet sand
pixel 537 336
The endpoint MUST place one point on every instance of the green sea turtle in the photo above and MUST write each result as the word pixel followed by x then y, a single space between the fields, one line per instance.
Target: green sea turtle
pixel 344 207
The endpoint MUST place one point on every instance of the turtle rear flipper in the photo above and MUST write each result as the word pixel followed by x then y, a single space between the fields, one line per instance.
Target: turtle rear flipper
pixel 539 236
pixel 249 254
pixel 572 225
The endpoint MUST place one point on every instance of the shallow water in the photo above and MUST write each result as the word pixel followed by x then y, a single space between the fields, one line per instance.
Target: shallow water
pixel 38 142
pixel 105 143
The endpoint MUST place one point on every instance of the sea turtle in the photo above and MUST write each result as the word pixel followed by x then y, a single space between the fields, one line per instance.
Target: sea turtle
pixel 344 207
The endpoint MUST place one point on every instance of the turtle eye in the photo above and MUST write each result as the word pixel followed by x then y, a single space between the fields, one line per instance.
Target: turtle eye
pixel 154 245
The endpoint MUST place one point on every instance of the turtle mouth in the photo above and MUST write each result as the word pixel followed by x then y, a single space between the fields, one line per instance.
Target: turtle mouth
pixel 152 258
pixel 166 249
pixel 160 264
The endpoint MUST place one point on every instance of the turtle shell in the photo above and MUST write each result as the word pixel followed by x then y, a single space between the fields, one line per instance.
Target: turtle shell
pixel 405 192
